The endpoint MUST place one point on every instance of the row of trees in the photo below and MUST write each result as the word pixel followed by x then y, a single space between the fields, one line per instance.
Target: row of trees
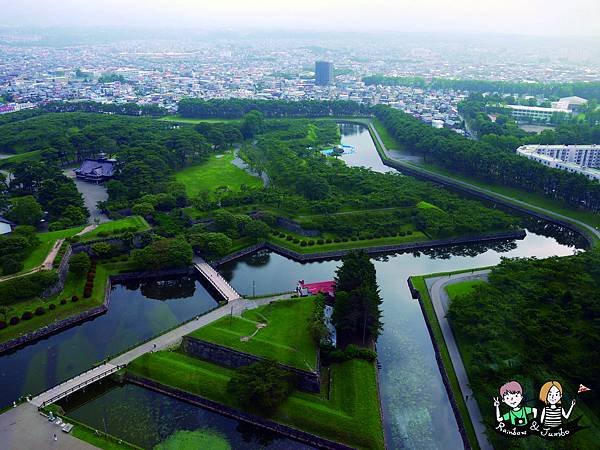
pixel 488 161
pixel 237 108
pixel 588 90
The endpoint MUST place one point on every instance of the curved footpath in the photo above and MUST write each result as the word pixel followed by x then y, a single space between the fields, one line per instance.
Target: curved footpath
pixel 439 298
pixel 584 228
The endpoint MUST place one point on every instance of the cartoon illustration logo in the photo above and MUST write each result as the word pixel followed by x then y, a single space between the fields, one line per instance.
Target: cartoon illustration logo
pixel 521 420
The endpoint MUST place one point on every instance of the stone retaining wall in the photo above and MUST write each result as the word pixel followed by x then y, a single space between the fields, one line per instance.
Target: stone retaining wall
pixel 375 250
pixel 223 356
pixel 438 357
pixel 228 411
pixel 62 272
pixel 58 326
pixel 295 227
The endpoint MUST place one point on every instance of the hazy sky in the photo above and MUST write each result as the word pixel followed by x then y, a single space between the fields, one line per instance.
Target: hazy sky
pixel 536 17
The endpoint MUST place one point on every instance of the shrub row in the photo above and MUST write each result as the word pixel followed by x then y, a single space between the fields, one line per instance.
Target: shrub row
pixel 28 315
pixel 335 355
pixel 362 236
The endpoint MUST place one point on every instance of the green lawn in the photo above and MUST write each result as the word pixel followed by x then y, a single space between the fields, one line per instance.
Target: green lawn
pixel 177 118
pixel 388 140
pixel 351 415
pixel 285 339
pixel 30 156
pixel 47 241
pixel 466 287
pixel 116 227
pixel 216 172
pixel 419 284
pixel 73 286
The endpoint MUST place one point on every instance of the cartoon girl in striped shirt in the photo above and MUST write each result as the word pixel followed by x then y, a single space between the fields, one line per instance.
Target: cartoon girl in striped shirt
pixel 552 414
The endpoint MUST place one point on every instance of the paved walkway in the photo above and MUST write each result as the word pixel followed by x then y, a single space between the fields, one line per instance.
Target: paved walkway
pixel 441 301
pixel 24 428
pixel 216 280
pixel 579 223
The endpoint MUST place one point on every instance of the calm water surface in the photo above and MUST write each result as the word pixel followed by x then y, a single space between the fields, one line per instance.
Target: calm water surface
pixel 146 418
pixel 138 310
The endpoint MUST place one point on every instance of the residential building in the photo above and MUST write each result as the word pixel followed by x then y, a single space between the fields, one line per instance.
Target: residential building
pixel 535 113
pixel 6 226
pixel 583 159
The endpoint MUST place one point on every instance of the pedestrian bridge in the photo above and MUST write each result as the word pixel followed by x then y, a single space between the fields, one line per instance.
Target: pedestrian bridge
pixel 74 384
pixel 216 280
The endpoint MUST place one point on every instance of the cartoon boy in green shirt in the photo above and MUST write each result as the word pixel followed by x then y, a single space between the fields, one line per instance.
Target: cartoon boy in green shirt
pixel 512 395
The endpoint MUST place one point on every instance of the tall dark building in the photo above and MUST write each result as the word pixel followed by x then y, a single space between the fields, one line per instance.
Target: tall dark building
pixel 323 73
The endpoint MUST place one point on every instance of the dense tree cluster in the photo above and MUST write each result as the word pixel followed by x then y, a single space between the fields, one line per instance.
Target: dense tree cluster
pixel 163 254
pixel 261 386
pixel 489 162
pixel 237 108
pixel 38 187
pixel 357 312
pixel 15 247
pixel 535 319
pixel 126 109
pixel 304 180
pixel 588 90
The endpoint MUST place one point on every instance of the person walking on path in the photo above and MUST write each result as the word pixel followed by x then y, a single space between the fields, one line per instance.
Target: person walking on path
pixel 55 437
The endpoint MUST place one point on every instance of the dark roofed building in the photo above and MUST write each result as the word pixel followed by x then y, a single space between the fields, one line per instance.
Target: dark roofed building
pixel 96 170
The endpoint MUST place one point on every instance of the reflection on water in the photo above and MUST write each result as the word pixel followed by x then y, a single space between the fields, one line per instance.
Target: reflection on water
pixel 146 418
pixel 417 412
pixel 132 317
pixel 365 154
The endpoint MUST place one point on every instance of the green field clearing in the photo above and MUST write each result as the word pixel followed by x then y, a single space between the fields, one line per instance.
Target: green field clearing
pixel 466 287
pixel 351 414
pixel 285 339
pixel 116 227
pixel 47 240
pixel 216 172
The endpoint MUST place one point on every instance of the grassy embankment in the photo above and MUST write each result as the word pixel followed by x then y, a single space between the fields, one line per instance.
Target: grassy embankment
pixel 420 284
pixel 284 339
pixel 216 172
pixel 537 201
pixel 348 413
pixel 132 223
pixel 74 286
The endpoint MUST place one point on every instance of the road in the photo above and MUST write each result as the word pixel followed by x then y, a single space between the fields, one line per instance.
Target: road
pixel 506 198
pixel 440 300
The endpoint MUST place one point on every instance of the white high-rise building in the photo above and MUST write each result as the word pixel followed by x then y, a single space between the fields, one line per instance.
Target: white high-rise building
pixel 584 159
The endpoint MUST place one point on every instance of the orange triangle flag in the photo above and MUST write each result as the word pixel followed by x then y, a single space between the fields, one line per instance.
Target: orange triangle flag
pixel 583 388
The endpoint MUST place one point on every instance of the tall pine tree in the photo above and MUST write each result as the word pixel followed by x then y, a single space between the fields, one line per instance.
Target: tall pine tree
pixel 357 313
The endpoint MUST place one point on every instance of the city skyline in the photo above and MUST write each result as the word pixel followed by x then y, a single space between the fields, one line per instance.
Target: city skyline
pixel 512 17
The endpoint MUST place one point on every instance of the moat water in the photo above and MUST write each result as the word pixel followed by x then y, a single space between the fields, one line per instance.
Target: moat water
pixel 417 412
